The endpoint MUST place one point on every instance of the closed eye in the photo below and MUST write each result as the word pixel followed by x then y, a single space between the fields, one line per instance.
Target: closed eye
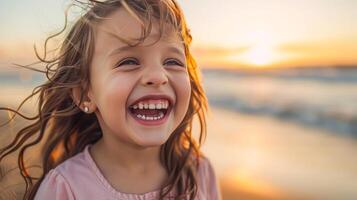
pixel 129 61
pixel 174 62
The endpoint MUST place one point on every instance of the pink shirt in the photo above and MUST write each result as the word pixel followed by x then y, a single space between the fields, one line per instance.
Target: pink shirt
pixel 79 178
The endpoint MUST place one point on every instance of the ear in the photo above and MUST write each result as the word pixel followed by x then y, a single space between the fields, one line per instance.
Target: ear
pixel 87 100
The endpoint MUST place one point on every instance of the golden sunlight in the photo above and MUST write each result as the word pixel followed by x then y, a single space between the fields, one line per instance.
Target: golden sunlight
pixel 259 56
pixel 248 183
pixel 261 51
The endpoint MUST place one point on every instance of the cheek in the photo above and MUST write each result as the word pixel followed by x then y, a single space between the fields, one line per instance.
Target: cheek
pixel 183 88
pixel 114 95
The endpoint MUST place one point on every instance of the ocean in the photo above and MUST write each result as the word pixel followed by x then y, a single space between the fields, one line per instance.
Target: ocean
pixel 321 97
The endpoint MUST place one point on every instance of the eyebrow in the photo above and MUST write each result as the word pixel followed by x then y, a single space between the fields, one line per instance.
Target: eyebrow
pixel 126 48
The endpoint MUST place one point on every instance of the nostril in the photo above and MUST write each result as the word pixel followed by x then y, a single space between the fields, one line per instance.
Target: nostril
pixel 151 83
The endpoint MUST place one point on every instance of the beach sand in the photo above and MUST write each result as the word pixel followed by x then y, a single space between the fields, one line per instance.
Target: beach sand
pixel 263 158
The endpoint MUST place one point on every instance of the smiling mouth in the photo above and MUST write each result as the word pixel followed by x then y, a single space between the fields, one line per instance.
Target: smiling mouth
pixel 151 112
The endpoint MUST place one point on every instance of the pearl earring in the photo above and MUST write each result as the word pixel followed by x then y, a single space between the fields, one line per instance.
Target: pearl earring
pixel 86 109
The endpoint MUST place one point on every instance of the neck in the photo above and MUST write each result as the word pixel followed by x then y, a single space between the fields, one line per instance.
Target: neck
pixel 126 156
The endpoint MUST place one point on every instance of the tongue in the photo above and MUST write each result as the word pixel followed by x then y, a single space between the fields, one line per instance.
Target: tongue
pixel 146 112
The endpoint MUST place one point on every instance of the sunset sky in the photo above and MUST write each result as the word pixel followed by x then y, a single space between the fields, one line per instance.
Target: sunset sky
pixel 230 33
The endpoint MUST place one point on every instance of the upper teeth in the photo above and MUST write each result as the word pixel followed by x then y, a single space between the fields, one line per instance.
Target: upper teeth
pixel 163 104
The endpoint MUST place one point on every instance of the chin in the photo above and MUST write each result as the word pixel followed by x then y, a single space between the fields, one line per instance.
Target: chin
pixel 151 143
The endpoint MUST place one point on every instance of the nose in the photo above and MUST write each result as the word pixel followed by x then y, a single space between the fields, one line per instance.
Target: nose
pixel 155 76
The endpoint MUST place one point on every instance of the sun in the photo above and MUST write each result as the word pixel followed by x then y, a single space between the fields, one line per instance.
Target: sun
pixel 259 56
pixel 261 52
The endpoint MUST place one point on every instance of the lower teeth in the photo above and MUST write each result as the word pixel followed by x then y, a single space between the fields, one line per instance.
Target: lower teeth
pixel 151 118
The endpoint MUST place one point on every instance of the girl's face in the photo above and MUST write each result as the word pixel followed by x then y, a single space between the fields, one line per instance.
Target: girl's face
pixel 121 75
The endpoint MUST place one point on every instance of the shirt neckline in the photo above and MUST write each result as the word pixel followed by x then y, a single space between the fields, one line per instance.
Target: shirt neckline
pixel 148 195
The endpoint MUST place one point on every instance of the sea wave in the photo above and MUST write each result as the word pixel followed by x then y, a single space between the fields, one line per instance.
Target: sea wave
pixel 321 98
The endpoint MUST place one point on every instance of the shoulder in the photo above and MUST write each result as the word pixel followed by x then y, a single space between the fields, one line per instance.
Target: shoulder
pixel 205 168
pixel 68 179
pixel 79 170
pixel 208 179
pixel 54 186
pixel 73 164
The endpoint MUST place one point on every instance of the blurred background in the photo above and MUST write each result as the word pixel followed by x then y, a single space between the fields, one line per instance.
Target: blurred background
pixel 280 76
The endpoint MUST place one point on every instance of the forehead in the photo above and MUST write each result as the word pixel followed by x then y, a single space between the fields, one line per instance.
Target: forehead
pixel 121 27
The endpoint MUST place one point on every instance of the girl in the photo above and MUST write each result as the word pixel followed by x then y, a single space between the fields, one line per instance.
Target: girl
pixel 116 112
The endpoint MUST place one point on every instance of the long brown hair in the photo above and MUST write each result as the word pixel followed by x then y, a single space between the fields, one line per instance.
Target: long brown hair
pixel 64 127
